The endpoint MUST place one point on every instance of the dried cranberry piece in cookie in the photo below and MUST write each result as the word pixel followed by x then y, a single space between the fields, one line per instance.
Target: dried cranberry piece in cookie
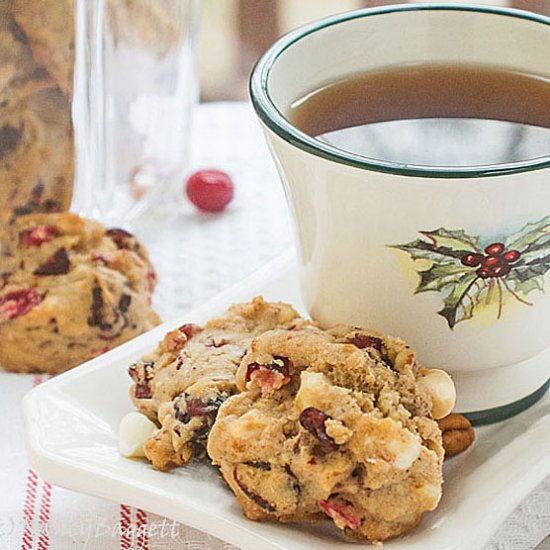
pixel 342 513
pixel 56 264
pixel 313 420
pixel 99 258
pixel 363 341
pixel 203 412
pixel 270 376
pixel 120 237
pixel 261 502
pixel 124 303
pixel 142 374
pixel 18 303
pixel 151 279
pixel 188 407
pixel 190 330
pixel 38 235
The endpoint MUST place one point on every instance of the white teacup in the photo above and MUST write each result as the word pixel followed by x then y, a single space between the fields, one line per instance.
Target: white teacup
pixel 369 232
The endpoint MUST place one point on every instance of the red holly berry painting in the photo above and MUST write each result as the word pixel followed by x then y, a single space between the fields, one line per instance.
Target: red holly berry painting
pixel 470 272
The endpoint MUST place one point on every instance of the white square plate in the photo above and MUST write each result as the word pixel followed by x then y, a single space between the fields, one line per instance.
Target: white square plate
pixel 71 425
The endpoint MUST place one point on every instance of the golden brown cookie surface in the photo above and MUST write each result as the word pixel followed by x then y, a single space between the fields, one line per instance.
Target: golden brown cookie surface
pixel 331 424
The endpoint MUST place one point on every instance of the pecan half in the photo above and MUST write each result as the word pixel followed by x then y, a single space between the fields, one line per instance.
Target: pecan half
pixel 457 433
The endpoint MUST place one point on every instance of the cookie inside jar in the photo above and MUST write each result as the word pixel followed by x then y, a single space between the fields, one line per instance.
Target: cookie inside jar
pixel 36 91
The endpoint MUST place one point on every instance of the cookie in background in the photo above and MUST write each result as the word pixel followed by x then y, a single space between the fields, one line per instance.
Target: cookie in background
pixel 70 289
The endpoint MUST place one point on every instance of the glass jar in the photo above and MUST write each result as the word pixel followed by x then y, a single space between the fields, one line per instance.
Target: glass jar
pixel 95 104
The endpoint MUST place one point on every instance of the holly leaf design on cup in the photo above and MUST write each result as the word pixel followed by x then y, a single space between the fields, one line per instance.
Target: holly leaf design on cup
pixel 470 273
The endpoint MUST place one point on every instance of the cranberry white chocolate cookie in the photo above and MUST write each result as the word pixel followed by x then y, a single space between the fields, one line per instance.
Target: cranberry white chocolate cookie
pixel 333 424
pixel 69 290
pixel 182 383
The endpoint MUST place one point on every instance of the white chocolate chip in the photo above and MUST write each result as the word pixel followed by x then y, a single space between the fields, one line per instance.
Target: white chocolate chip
pixel 135 429
pixel 312 386
pixel 441 389
pixel 406 449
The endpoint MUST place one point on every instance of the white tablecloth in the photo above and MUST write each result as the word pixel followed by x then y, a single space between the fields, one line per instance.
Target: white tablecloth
pixel 197 256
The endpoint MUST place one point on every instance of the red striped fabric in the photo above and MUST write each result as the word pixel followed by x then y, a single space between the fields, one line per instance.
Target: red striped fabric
pixel 31 492
pixel 44 517
pixel 125 521
pixel 142 530
pixel 28 509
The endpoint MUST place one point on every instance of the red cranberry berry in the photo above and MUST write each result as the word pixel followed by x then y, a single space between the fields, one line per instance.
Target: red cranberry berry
pixel 491 262
pixel 42 233
pixel 472 260
pixel 501 270
pixel 483 272
pixel 18 303
pixel 512 256
pixel 494 249
pixel 210 190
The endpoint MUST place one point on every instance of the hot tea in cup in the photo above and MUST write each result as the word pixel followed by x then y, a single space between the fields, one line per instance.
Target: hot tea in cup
pixel 433 115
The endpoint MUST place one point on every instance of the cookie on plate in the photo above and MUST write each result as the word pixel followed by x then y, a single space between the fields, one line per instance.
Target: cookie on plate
pixel 333 424
pixel 69 290
pixel 182 383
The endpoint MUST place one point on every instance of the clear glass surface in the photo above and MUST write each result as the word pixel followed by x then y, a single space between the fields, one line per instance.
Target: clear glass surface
pixel 135 86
